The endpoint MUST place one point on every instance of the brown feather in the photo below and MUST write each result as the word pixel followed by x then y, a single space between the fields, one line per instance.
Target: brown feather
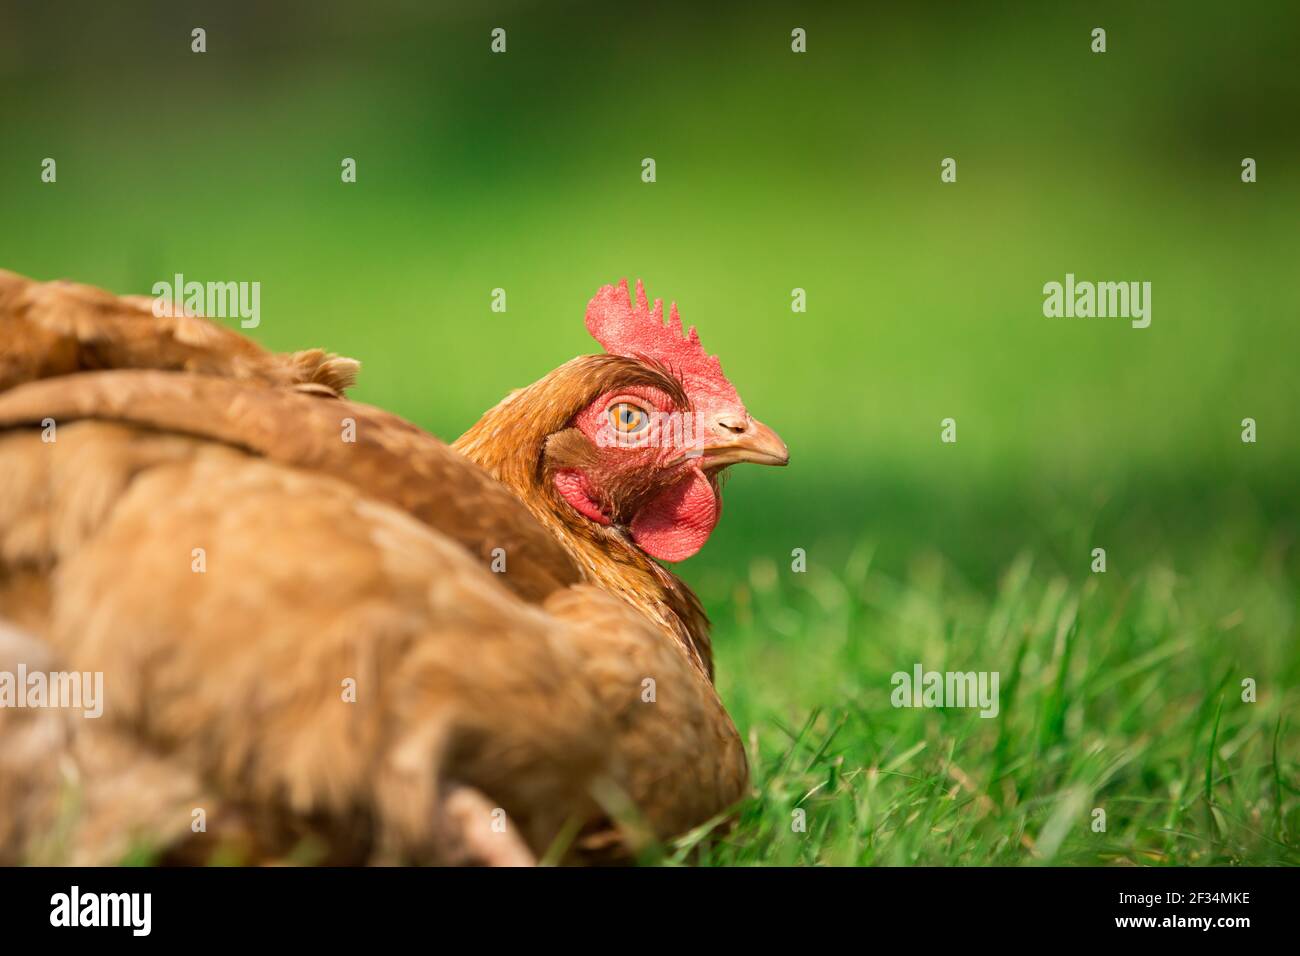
pixel 325 560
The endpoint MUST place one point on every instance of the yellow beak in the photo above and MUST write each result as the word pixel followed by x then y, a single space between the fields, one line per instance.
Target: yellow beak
pixel 756 443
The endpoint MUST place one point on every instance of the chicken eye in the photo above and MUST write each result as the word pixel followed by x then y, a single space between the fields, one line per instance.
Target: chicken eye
pixel 628 419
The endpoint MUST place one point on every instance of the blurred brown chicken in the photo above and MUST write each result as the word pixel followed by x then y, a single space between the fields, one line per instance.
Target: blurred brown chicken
pixel 324 634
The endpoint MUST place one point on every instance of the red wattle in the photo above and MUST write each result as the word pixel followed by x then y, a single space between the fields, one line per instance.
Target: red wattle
pixel 675 525
pixel 574 487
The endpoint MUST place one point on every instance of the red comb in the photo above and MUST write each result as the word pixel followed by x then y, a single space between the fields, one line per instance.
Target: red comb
pixel 638 331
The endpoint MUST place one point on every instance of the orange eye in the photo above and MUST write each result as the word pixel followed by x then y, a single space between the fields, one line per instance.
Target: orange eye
pixel 628 419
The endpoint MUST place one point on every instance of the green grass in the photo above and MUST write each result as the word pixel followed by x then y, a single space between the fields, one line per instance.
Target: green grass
pixel 1119 691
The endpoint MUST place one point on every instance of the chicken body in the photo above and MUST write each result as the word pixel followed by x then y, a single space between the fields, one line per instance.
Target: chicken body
pixel 324 635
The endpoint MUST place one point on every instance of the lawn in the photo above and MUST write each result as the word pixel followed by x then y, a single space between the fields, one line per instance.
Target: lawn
pixel 1120 692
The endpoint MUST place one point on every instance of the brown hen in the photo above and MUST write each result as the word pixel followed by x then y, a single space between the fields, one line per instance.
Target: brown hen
pixel 324 634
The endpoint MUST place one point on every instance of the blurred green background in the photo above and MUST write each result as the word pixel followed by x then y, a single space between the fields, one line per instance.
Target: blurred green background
pixel 774 171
